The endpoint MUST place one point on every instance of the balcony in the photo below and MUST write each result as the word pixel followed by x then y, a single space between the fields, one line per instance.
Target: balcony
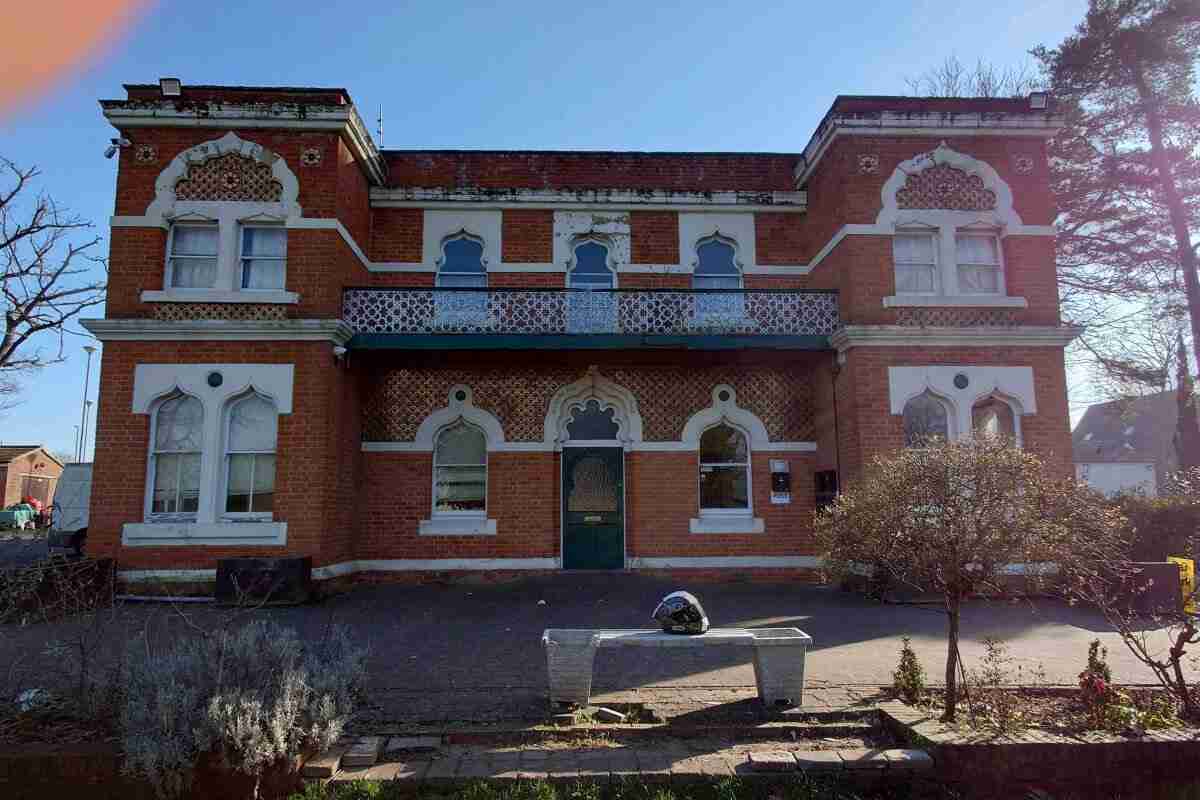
pixel 574 318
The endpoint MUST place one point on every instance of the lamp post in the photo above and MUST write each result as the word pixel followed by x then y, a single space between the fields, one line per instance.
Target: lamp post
pixel 87 374
pixel 77 443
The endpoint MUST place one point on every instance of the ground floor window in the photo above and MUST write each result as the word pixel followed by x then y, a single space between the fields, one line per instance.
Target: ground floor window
pixel 175 460
pixel 250 456
pixel 460 470
pixel 724 470
pixel 925 419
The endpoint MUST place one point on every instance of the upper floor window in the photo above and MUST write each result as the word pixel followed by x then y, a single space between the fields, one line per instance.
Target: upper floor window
pixel 591 269
pixel 462 264
pixel 250 456
pixel 724 470
pixel 978 262
pixel 175 454
pixel 263 256
pixel 926 419
pixel 916 259
pixel 193 256
pixel 716 265
pixel 460 470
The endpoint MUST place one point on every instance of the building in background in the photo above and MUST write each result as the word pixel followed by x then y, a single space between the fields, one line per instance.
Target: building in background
pixel 28 470
pixel 415 362
pixel 1128 445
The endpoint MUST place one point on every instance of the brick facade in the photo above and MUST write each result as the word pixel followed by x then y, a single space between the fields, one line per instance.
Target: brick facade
pixel 354 485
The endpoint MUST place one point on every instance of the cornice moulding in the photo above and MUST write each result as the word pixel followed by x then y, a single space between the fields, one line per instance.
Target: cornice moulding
pixel 304 330
pixel 977 336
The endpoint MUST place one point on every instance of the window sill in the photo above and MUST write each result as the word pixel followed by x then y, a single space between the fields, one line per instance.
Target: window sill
pixel 726 523
pixel 959 300
pixel 156 534
pixel 273 296
pixel 457 526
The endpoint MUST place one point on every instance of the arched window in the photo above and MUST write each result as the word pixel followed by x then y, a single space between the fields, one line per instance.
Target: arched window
pixel 461 264
pixel 460 470
pixel 250 456
pixel 992 416
pixel 589 421
pixel 724 470
pixel 175 457
pixel 716 267
pixel 925 419
pixel 591 269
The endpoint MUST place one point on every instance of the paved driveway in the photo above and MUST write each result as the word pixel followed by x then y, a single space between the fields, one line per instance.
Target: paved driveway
pixel 473 651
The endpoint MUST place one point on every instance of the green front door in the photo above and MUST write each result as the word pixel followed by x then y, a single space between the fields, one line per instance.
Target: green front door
pixel 593 508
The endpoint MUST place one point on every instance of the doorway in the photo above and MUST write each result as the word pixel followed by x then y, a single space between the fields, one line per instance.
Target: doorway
pixel 593 497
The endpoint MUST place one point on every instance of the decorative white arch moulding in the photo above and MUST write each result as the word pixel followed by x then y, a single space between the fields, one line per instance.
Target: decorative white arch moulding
pixel 163 207
pixel 1013 385
pixel 602 239
pixel 1003 216
pixel 718 236
pixel 724 408
pixel 591 386
pixel 459 405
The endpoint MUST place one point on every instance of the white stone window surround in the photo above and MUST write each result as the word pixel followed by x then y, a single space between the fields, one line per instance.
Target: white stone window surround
pixel 460 235
pixel 438 227
pixel 154 383
pixel 947 224
pixel 725 410
pixel 1012 385
pixel 609 228
pixel 604 241
pixel 459 406
pixel 737 229
pixel 165 210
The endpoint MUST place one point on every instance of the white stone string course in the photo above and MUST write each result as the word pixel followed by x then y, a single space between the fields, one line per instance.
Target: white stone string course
pixel 541 311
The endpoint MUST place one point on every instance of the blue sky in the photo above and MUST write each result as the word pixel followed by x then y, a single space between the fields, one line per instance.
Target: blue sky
pixel 616 75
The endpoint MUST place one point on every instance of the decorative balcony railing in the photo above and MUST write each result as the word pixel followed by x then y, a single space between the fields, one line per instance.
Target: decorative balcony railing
pixel 645 312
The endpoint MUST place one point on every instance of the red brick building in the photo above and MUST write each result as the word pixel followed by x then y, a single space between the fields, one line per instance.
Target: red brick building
pixel 446 361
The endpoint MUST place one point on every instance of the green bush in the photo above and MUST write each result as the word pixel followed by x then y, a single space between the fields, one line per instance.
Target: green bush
pixel 1160 526
pixel 909 678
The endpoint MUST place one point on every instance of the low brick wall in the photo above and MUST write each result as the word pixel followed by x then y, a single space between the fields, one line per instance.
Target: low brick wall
pixel 1092 764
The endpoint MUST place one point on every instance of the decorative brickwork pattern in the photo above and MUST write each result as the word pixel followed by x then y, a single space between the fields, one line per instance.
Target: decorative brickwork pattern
pixel 396 405
pixel 956 317
pixel 229 177
pixel 945 187
pixel 174 312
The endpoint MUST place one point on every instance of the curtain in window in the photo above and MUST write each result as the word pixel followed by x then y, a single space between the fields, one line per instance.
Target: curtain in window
pixel 978 263
pixel 994 417
pixel 916 259
pixel 925 419
pixel 460 469
pixel 263 257
pixel 178 427
pixel 724 469
pixel 194 256
pixel 250 479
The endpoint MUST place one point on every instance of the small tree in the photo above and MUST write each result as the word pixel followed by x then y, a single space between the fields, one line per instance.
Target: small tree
pixel 952 519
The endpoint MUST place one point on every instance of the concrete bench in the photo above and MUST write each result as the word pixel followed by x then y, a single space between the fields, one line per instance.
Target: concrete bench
pixel 778 657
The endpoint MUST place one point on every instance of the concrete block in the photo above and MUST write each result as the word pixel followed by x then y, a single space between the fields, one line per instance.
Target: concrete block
pixel 364 752
pixel 818 760
pixel 772 761
pixel 908 759
pixel 325 764
pixel 414 743
pixel 857 759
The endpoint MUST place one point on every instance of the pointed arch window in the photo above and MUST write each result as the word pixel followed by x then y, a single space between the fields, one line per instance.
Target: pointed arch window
pixel 926 419
pixel 591 269
pixel 177 439
pixel 724 470
pixel 462 264
pixel 250 443
pixel 460 470
pixel 716 265
pixel 992 416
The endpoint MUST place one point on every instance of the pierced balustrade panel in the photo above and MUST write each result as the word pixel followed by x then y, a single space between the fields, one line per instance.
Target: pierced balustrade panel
pixel 541 311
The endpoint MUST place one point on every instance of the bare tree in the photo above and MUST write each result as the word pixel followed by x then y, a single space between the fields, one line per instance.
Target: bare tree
pixel 47 271
pixel 953 78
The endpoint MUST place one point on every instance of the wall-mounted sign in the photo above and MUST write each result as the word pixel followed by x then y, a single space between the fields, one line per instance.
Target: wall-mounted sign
pixel 781 482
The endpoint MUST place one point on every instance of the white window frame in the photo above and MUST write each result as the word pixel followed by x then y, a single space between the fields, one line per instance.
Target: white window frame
pixel 242 259
pixel 226 461
pixel 435 513
pixel 934 236
pixel 578 242
pixel 748 511
pixel 152 464
pixel 441 261
pixel 981 233
pixel 169 272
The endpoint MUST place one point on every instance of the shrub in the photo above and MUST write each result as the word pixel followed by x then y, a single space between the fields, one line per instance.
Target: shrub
pixel 995 704
pixel 909 678
pixel 250 698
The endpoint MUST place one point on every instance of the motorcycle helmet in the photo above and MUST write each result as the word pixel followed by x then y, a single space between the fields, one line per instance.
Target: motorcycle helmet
pixel 681 612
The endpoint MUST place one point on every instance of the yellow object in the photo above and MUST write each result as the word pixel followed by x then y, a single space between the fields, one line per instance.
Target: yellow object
pixel 1187 581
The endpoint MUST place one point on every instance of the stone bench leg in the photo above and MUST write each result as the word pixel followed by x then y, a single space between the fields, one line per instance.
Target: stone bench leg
pixel 779 673
pixel 570 670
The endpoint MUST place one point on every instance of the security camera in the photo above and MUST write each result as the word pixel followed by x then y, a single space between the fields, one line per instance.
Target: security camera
pixel 110 151
pixel 120 141
pixel 338 351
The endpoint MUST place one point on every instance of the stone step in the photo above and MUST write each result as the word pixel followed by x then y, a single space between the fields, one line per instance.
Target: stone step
pixel 363 752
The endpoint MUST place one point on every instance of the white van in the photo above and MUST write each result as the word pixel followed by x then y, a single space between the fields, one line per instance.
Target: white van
pixel 72 496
